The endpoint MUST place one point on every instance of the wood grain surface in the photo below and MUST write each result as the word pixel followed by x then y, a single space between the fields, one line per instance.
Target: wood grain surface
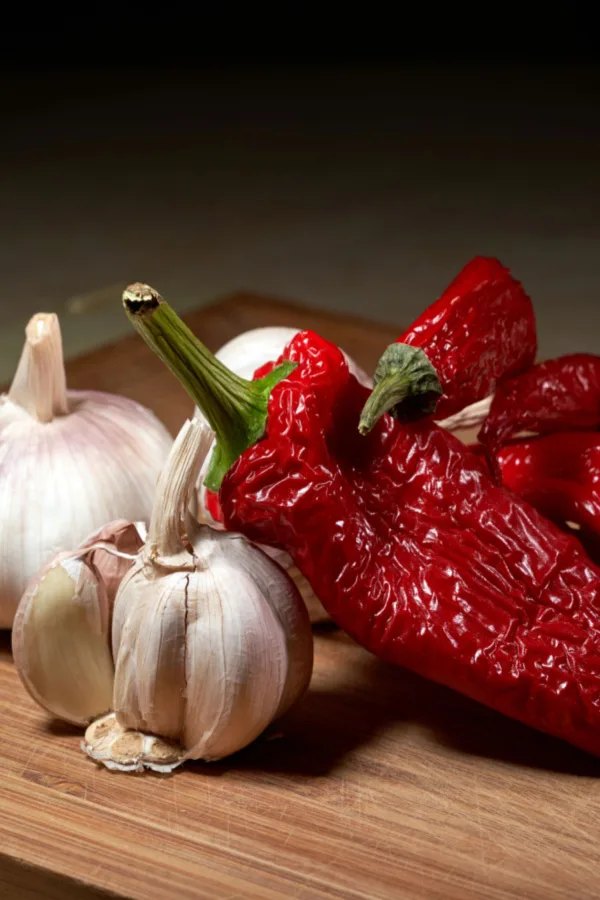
pixel 379 785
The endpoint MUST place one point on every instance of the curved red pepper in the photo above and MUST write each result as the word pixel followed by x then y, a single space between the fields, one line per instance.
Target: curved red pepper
pixel 481 329
pixel 558 395
pixel 403 536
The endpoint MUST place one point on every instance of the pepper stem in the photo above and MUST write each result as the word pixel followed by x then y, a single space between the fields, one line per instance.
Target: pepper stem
pixel 39 384
pixel 406 385
pixel 235 408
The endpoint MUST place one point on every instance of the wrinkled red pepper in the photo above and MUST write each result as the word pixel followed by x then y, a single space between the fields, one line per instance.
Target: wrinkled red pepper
pixel 559 474
pixel 558 395
pixel 407 542
pixel 482 328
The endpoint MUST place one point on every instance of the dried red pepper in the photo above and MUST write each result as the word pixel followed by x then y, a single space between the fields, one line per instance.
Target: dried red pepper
pixel 558 395
pixel 407 542
pixel 559 474
pixel 482 328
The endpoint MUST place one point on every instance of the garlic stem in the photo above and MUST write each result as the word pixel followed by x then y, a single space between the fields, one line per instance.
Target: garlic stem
pixel 39 384
pixel 174 491
pixel 235 408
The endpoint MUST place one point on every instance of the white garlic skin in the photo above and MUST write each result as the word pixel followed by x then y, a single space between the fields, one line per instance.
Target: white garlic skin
pixel 208 655
pixel 60 480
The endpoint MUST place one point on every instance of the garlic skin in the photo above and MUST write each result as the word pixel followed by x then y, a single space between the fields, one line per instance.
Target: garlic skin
pixel 110 552
pixel 70 461
pixel 61 633
pixel 247 352
pixel 211 639
pixel 210 654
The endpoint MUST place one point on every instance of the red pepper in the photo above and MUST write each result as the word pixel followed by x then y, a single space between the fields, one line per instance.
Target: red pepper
pixel 559 395
pixel 407 542
pixel 559 474
pixel 482 328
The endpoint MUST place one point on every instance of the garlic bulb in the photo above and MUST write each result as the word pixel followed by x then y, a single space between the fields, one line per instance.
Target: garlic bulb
pixel 69 462
pixel 61 633
pixel 211 638
pixel 245 354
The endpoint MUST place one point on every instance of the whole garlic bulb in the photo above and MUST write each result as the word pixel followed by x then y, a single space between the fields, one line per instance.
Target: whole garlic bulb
pixel 245 354
pixel 70 461
pixel 61 633
pixel 211 638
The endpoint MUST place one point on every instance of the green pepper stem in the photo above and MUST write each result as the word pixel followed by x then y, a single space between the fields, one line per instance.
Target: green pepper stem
pixel 236 409
pixel 406 384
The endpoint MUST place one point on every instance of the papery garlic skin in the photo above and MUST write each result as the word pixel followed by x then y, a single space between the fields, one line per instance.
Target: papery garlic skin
pixel 211 655
pixel 70 461
pixel 61 632
pixel 209 646
pixel 110 550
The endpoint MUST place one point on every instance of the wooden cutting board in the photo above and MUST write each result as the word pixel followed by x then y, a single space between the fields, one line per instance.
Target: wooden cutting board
pixel 381 785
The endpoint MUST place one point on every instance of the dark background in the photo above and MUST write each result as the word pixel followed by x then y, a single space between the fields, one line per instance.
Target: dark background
pixel 346 159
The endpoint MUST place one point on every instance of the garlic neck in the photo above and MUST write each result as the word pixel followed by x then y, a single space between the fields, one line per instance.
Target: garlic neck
pixel 174 494
pixel 39 385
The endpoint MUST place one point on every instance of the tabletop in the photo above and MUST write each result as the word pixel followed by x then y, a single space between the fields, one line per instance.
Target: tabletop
pixel 378 785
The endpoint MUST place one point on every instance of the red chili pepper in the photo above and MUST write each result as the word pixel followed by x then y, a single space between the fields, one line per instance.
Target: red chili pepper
pixel 559 395
pixel 407 542
pixel 213 506
pixel 559 474
pixel 482 328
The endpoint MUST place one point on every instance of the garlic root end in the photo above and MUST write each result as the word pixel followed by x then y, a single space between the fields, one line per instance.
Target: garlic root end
pixel 124 750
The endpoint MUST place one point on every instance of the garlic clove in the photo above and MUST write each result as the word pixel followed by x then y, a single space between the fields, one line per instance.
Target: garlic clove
pixel 60 642
pixel 150 656
pixel 237 664
pixel 61 634
pixel 124 750
pixel 317 613
pixel 281 596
